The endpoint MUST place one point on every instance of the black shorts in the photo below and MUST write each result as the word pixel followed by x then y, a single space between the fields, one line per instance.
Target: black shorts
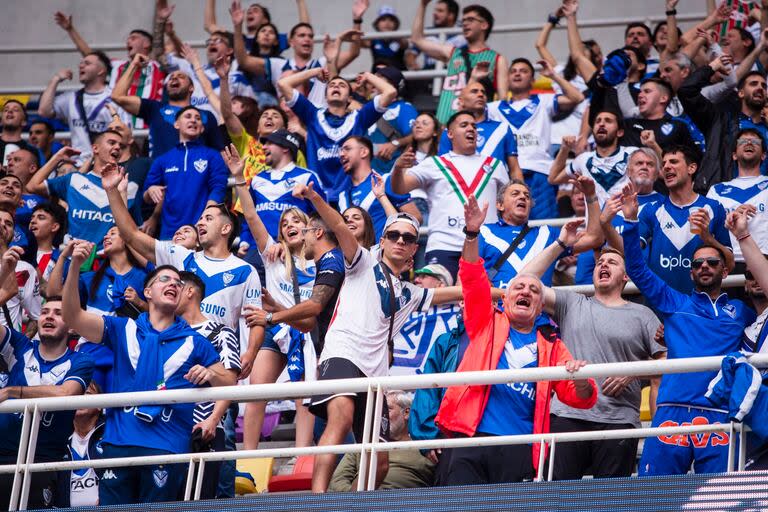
pixel 339 368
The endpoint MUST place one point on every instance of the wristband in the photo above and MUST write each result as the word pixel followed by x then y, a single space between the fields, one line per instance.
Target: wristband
pixel 591 200
pixel 471 235
pixel 671 12
pixel 553 20
pixel 567 251
pixel 744 237
pixel 358 21
pixel 241 183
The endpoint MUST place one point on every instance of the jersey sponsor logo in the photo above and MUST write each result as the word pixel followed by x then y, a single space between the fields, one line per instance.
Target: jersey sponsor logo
pixel 328 153
pixel 172 169
pixel 272 207
pixel 160 476
pixel 94 215
pixel 674 262
pixel 697 440
pixel 82 484
pixel 667 128
pixel 456 222
pixel 109 475
pixel 213 309
pixel 201 165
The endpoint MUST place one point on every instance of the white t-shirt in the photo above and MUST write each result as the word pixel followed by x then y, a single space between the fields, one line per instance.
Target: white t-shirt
pixel 360 325
pixel 747 190
pixel 571 125
pixel 531 122
pixel 28 297
pixel 230 284
pixel 276 66
pixel 446 194
pixel 609 173
pixel 83 484
pixel 280 285
pixel 96 112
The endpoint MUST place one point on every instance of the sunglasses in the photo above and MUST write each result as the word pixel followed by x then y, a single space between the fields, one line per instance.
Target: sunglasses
pixel 711 262
pixel 394 236
pixel 165 279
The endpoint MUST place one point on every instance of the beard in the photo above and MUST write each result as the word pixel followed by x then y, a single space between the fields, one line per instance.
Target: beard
pixel 715 284
pixel 177 96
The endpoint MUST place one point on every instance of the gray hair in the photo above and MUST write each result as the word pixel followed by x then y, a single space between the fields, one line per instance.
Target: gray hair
pixel 503 190
pixel 649 153
pixel 682 60
pixel 402 398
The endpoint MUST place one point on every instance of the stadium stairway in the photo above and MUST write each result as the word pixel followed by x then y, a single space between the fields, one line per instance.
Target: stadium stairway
pixel 746 491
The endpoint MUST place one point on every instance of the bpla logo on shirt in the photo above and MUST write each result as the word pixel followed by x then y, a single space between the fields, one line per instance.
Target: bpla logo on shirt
pixel 674 262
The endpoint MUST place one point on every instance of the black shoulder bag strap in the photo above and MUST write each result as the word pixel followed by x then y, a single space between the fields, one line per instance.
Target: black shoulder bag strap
pixel 390 340
pixel 314 334
pixel 80 106
pixel 515 243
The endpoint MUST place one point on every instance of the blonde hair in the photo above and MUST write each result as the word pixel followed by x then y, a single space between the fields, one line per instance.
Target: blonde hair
pixel 287 255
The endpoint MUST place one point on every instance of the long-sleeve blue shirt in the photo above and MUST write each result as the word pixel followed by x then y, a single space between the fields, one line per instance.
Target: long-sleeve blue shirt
pixel 694 325
pixel 193 174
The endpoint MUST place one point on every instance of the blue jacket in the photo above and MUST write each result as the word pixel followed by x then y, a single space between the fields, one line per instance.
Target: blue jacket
pixel 193 174
pixel 694 325
pixel 443 358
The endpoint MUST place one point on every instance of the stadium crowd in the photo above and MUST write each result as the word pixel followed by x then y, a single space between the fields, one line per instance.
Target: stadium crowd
pixel 283 223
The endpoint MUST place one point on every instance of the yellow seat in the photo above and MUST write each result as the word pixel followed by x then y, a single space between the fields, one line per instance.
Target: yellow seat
pixel 260 470
pixel 645 404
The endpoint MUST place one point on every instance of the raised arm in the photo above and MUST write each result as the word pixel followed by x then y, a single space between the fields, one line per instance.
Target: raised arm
pixel 592 237
pixel 193 58
pixel 347 241
pixel 673 40
pixel 111 178
pixel 402 182
pixel 232 123
pixel 738 224
pixel 610 210
pixel 209 18
pixel 56 280
pixel 301 7
pixel 247 62
pixel 46 99
pixel 129 103
pixel 287 84
pixel 88 325
pixel 387 93
pixel 701 220
pixel 65 22
pixel 558 174
pixel 436 50
pixel 584 66
pixel 571 95
pixel 236 165
pixel 36 184
pixel 543 40
pixel 163 13
pixel 379 189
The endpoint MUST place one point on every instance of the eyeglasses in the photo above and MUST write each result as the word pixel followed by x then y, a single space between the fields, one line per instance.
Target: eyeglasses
pixel 744 141
pixel 394 236
pixel 711 262
pixel 214 40
pixel 471 19
pixel 166 279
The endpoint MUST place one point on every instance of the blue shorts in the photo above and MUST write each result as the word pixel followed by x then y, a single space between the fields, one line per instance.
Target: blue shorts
pixel 448 259
pixel 544 195
pixel 673 455
pixel 140 484
pixel 269 342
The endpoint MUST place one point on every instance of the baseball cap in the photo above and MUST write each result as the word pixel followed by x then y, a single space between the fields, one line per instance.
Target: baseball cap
pixel 387 11
pixel 438 271
pixel 284 139
pixel 392 75
pixel 402 217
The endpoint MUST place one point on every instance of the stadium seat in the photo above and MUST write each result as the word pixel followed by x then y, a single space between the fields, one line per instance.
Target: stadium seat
pixel 300 479
pixel 253 475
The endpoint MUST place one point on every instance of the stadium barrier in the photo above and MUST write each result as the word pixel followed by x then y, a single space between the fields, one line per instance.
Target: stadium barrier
pixel 370 447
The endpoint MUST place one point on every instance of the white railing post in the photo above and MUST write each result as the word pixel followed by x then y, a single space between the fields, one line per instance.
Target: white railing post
pixel 200 473
pixel 551 469
pixel 20 457
pixel 542 450
pixel 364 441
pixel 375 437
pixel 731 447
pixel 33 431
pixel 190 477
pixel 742 448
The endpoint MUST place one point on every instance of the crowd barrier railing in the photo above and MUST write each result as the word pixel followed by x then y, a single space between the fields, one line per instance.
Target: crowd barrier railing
pixel 370 446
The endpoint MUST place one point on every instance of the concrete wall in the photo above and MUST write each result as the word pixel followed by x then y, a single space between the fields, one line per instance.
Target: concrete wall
pixel 30 22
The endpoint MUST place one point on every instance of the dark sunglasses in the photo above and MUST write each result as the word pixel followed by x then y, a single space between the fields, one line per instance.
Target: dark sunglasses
pixel 712 262
pixel 394 236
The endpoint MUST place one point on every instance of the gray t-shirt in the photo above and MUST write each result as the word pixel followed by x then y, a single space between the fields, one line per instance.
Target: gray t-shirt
pixel 601 334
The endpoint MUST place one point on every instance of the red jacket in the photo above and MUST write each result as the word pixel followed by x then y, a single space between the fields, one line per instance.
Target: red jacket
pixel 462 407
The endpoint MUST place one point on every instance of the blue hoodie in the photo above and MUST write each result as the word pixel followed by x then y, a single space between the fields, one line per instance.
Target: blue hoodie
pixel 193 174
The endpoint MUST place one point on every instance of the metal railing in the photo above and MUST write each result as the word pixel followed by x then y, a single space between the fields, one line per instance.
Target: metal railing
pixel 370 446
pixel 442 33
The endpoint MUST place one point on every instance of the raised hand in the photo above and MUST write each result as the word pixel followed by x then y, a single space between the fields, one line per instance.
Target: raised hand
pixel 63 75
pixel 163 13
pixel 62 20
pixel 190 55
pixel 569 235
pixel 359 7
pixel 546 69
pixel 611 209
pixel 111 176
pixel 407 159
pixel 81 252
pixel 647 138
pixel 474 216
pixel 66 155
pixel 630 206
pixel 377 185
pixel 237 13
pixel 302 191
pixel 330 48
pixel 140 60
pixel 222 67
pixel 481 70
pixel 737 223
pixel 349 35
pixel 671 4
pixel 570 7
pixel 11 257
pixel 234 162
pixel 585 184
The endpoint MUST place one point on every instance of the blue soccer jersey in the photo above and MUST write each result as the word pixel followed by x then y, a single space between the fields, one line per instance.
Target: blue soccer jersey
pixel 362 195
pixel 665 229
pixel 170 429
pixel 29 368
pixel 163 136
pixel 494 139
pixel 325 134
pixel 495 239
pixel 272 193
pixel 396 123
pixel 751 190
pixel 109 294
pixel 89 215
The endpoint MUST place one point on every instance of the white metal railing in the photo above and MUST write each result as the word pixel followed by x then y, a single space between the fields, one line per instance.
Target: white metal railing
pixel 370 446
pixel 442 33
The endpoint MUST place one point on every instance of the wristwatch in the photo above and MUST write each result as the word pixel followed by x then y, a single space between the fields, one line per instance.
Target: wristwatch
pixel 268 318
pixel 395 143
pixel 567 250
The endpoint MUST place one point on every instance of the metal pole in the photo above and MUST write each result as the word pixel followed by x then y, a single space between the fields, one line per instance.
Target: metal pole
pixel 731 447
pixel 366 436
pixel 20 457
pixel 742 448
pixel 375 438
pixel 540 473
pixel 35 428
pixel 551 469
pixel 199 483
pixel 190 475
